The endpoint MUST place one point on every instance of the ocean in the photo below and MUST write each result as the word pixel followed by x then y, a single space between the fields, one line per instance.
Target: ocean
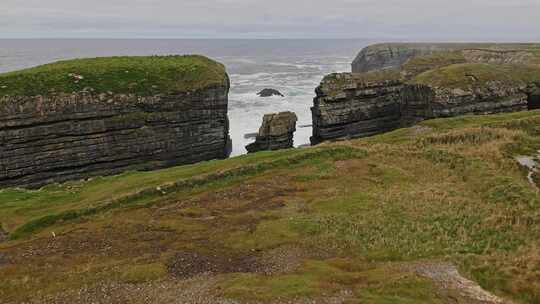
pixel 294 67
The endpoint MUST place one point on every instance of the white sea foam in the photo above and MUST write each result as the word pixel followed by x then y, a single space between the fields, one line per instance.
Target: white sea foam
pixel 296 79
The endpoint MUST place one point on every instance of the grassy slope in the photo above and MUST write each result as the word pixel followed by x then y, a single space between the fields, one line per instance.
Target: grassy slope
pixel 138 75
pixel 467 75
pixel 348 216
pixel 448 69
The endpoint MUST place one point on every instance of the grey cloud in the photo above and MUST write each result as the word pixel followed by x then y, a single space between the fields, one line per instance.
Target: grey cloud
pixel 413 19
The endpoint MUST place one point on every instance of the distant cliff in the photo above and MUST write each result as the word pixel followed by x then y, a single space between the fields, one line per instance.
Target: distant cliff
pixel 81 118
pixel 394 55
pixel 428 82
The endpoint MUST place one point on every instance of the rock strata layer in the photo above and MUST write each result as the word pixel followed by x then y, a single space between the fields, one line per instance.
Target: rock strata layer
pixel 357 110
pixel 276 132
pixel 394 55
pixel 424 86
pixel 61 137
pixel 360 109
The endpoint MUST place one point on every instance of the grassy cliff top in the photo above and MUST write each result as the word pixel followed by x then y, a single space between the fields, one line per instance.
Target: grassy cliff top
pixel 143 76
pixel 460 65
pixel 372 220
pixel 470 75
pixel 451 46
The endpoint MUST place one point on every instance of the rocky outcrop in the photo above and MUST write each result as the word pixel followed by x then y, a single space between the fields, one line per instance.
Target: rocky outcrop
pixel 59 137
pixel 269 93
pixel 494 56
pixel 399 84
pixel 394 55
pixel 347 106
pixel 276 132
pixel 421 102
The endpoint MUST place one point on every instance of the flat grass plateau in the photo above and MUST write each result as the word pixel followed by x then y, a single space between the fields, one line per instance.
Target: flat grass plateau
pixel 143 76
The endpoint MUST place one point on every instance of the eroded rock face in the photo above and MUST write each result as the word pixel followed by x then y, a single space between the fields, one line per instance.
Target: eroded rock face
pixel 346 107
pixel 73 136
pixel 276 132
pixel 394 55
pixel 399 84
pixel 420 102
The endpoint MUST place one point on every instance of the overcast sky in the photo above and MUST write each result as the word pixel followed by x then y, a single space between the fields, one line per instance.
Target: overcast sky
pixel 397 19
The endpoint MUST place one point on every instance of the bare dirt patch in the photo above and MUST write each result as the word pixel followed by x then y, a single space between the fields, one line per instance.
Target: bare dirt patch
pixel 186 264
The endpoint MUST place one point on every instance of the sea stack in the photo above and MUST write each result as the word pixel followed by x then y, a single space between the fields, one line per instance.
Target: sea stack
pixel 81 118
pixel 398 85
pixel 276 132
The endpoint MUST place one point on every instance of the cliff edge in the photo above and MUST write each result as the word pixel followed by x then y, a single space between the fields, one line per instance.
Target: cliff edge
pixel 394 55
pixel 410 83
pixel 86 117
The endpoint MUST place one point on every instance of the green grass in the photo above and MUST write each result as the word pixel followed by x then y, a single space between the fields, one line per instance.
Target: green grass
pixel 350 217
pixel 369 284
pixel 148 193
pixel 471 75
pixel 143 273
pixel 143 76
pixel 420 64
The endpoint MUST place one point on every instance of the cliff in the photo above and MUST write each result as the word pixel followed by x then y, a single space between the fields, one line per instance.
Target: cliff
pixel 394 55
pixel 437 84
pixel 81 118
pixel 276 132
pixel 349 105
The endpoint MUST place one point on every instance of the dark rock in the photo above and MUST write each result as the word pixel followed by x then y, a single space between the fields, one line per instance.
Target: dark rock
pixel 74 136
pixel 347 106
pixel 276 132
pixel 269 93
